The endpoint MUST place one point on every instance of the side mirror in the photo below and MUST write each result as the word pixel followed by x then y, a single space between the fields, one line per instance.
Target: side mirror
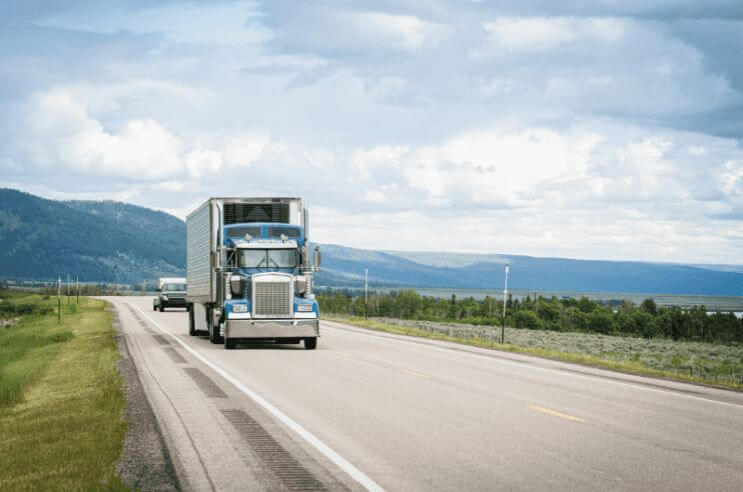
pixel 318 258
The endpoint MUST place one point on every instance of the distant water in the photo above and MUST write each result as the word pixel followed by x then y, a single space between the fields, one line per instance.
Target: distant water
pixel 712 303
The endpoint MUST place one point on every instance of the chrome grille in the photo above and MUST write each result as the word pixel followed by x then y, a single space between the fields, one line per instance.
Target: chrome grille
pixel 272 297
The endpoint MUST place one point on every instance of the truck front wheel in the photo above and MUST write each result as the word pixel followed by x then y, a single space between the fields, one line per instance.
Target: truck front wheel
pixel 310 343
pixel 162 307
pixel 229 343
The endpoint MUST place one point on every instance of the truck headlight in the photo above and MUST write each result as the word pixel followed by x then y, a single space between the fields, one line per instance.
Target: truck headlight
pixel 239 308
pixel 304 308
pixel 165 298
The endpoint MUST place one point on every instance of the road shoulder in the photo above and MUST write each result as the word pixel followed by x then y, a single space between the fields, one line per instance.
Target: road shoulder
pixel 145 462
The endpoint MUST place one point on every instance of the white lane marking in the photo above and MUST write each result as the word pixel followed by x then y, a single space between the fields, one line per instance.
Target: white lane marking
pixel 316 443
pixel 527 366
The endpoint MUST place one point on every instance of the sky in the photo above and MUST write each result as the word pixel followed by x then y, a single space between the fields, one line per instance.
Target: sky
pixel 598 130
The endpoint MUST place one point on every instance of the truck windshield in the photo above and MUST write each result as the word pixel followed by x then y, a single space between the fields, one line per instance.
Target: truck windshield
pixel 174 287
pixel 267 258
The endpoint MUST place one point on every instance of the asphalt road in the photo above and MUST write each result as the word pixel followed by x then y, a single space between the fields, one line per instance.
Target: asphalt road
pixel 372 410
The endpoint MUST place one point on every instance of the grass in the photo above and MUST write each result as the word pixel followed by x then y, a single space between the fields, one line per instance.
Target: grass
pixel 693 362
pixel 61 399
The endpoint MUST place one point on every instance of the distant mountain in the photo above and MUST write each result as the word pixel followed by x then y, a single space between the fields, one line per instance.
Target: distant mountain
pixel 345 267
pixel 97 241
pixel 117 242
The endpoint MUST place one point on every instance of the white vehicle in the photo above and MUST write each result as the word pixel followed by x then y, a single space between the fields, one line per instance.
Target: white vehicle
pixel 171 292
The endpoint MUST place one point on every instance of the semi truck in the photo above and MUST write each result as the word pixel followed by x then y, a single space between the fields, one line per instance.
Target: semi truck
pixel 249 269
pixel 171 292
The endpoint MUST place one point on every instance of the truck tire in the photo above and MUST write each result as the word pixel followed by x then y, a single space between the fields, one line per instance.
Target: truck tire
pixel 229 343
pixel 191 322
pixel 214 334
pixel 310 343
pixel 162 307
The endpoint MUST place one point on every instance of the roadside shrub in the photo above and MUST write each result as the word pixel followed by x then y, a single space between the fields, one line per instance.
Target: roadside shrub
pixel 527 319
pixel 601 322
pixel 10 309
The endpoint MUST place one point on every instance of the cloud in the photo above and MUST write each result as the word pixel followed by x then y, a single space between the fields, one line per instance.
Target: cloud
pixel 565 129
pixel 181 22
pixel 202 161
pixel 59 131
pixel 543 33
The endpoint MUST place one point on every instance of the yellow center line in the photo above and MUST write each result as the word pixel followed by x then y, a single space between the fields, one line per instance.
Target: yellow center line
pixel 416 374
pixel 555 413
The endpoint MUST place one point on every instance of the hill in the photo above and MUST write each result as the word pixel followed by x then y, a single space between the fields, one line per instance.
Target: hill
pixel 98 241
pixel 118 242
pixel 345 267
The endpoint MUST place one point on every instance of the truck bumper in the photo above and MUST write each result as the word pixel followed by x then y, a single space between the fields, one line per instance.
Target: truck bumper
pixel 274 328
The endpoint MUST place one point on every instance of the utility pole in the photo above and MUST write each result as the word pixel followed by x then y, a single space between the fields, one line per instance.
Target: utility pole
pixel 77 285
pixel 59 299
pixel 366 293
pixel 505 294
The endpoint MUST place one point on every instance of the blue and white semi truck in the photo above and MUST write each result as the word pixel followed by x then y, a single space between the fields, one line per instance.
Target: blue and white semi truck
pixel 249 271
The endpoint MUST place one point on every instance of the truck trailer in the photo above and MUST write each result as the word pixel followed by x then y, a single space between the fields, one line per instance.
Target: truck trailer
pixel 249 272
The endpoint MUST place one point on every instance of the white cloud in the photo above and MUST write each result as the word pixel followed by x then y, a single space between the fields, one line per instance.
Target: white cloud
pixel 586 134
pixel 548 33
pixel 408 31
pixel 245 149
pixel 731 177
pixel 498 167
pixel 58 130
pixel 203 161
pixel 535 33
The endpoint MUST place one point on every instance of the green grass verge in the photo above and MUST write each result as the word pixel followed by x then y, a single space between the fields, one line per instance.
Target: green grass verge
pixel 61 400
pixel 633 365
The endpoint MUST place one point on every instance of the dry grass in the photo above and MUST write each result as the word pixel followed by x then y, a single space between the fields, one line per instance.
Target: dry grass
pixel 61 401
pixel 706 363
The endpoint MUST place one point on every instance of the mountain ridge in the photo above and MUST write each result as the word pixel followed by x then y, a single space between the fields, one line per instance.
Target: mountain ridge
pixel 119 242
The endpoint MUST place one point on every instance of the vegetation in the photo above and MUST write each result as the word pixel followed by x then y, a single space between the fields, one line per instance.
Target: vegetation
pixel 682 361
pixel 61 396
pixel 97 241
pixel 562 315
pixel 687 345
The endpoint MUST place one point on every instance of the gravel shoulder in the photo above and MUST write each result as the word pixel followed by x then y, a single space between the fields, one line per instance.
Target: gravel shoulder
pixel 145 462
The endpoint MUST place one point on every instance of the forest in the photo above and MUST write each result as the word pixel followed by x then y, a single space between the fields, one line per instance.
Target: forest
pixel 618 318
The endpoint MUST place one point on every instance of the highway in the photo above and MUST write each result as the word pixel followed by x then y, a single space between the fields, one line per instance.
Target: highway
pixel 369 410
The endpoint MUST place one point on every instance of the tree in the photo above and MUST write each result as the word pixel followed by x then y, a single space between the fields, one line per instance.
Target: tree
pixel 601 322
pixel 527 319
pixel 648 306
pixel 586 305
